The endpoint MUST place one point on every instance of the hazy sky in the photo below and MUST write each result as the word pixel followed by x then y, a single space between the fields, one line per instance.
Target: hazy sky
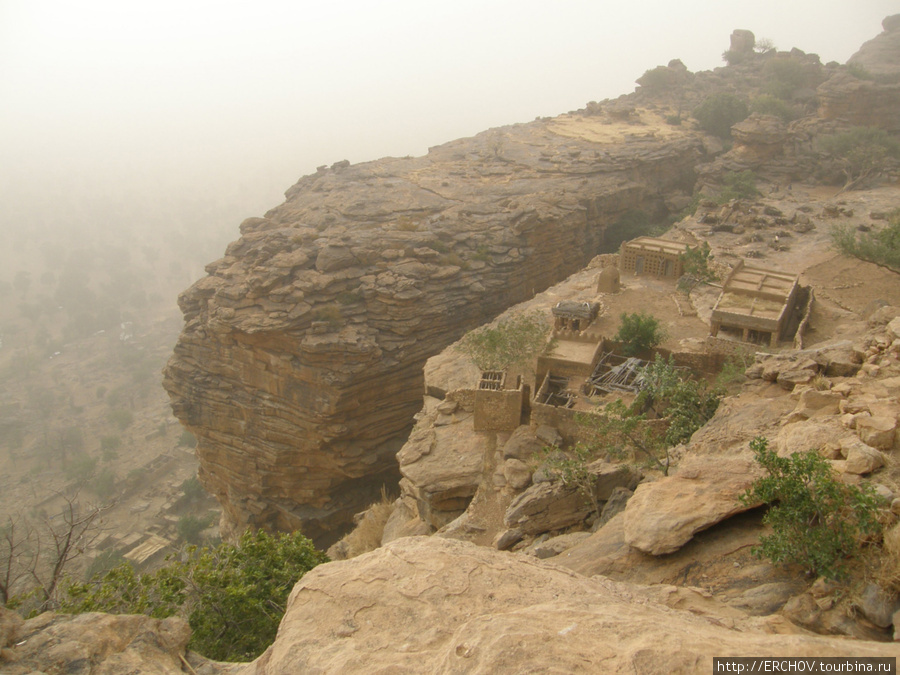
pixel 166 94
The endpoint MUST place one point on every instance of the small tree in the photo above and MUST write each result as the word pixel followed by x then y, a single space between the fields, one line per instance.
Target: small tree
pixel 639 332
pixel 816 519
pixel 680 405
pixel 718 113
pixel 510 342
pixel 695 262
pixel 862 154
pixel 737 185
pixel 881 248
pixel 772 105
pixel 571 469
pixel 685 403
pixel 36 554
pixel 660 78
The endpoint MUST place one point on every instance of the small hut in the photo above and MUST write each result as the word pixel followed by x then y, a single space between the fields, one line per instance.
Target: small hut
pixel 573 315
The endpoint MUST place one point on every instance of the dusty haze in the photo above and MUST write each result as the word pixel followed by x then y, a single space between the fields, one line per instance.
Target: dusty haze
pixel 179 115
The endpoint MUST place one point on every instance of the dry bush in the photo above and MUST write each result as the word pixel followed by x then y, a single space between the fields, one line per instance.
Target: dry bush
pixel 366 536
pixel 887 571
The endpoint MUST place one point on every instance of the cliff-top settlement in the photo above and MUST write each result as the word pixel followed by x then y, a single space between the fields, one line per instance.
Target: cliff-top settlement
pixel 299 368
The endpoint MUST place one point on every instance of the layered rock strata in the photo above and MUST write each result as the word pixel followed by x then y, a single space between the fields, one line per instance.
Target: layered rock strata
pixel 299 368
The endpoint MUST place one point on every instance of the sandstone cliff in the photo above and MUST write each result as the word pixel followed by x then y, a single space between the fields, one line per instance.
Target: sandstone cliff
pixel 300 365
pixel 299 368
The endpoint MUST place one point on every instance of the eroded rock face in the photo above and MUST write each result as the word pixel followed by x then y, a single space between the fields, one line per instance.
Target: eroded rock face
pixel 427 604
pixel 102 644
pixel 299 367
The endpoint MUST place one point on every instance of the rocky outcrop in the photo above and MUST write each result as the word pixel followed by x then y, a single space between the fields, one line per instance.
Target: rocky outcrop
pixel 552 505
pixel 664 515
pixel 435 605
pixel 880 56
pixel 860 102
pixel 870 96
pixel 101 644
pixel 300 364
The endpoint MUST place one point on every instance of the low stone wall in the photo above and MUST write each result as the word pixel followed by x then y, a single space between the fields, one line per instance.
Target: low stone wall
pixel 561 419
pixel 465 398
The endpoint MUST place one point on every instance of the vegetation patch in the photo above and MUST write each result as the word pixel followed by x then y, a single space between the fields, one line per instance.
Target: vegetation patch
pixel 862 154
pixel 233 596
pixel 718 113
pixel 817 521
pixel 639 332
pixel 511 341
pixel 881 248
pixel 670 408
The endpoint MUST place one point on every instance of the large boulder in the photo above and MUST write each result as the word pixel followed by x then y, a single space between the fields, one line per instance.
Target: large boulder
pixel 551 505
pixel 664 515
pixel 432 605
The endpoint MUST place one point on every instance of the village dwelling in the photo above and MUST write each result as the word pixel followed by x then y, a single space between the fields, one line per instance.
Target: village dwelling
pixel 656 257
pixel 574 316
pixel 758 305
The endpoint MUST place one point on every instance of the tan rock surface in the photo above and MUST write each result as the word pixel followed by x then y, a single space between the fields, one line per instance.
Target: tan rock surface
pixel 104 643
pixel 663 515
pixel 441 606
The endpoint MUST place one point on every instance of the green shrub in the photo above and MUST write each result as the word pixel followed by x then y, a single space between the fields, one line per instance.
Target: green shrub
pixel 732 372
pixel 659 78
pixel 190 527
pixel 685 403
pixel 350 297
pixel 674 120
pixel 329 314
pixel 571 469
pixel 862 153
pixel 680 403
pixel 733 58
pixel 482 253
pixel 103 563
pixel 718 113
pixel 104 483
pixel 771 105
pixel 816 519
pixel 192 488
pixel 233 596
pixel 737 185
pixel 639 332
pixel 81 467
pixel 510 342
pixel 881 248
pixel 695 262
pixel 784 75
pixel 187 439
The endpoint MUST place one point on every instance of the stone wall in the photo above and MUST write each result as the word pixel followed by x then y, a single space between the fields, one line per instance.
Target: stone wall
pixel 499 410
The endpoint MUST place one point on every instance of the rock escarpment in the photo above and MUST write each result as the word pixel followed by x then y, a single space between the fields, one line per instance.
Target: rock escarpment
pixel 299 367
